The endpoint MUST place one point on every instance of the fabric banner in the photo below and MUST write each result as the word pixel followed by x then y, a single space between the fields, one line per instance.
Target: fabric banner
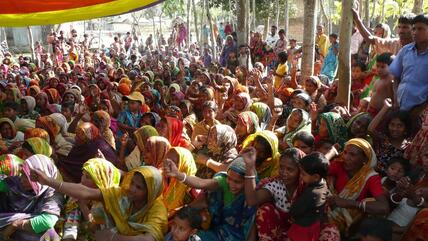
pixel 19 13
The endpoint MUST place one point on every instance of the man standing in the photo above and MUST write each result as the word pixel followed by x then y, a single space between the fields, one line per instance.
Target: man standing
pixel 322 41
pixel 281 43
pixel 272 38
pixel 410 68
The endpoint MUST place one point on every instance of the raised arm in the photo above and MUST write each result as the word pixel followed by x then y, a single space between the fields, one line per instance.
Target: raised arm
pixel 379 117
pixel 191 181
pixel 368 37
pixel 75 190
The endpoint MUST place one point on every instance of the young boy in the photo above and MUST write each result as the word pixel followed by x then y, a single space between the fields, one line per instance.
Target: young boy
pixel 358 84
pixel 185 224
pixel 308 209
pixel 382 88
pixel 129 120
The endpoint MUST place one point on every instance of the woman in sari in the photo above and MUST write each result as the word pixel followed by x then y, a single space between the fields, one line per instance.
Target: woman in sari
pixel 332 127
pixel 136 207
pixel 221 146
pixel 264 113
pixel 30 210
pixel 33 146
pixel 297 121
pixel 136 157
pixel 44 106
pixel 88 144
pixel 274 197
pixel 266 144
pixel 354 180
pixel 97 173
pixel 37 132
pixel 231 216
pixel 53 96
pixel 172 129
pixel 209 114
pixel 174 192
pixel 28 103
pixel 11 137
pixel 358 126
pixel 242 102
pixel 247 123
pixel 101 120
pixel 10 165
pixel 155 150
pixel 61 146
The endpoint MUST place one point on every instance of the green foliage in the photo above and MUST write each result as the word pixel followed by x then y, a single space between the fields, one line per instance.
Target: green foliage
pixel 172 8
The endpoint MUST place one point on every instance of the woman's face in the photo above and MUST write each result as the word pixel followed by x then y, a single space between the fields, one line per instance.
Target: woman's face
pixel 289 171
pixel 6 131
pixel 298 103
pixel 173 156
pixel 354 158
pixel 262 152
pixel 162 128
pixel 378 32
pixel 395 171
pixel 310 87
pixel 239 103
pixel 208 114
pixel 25 183
pixel 146 120
pixel 323 129
pixel 397 129
pixel 240 129
pixel 302 146
pixel 138 189
pixel 359 127
pixel 69 98
pixel 294 120
pixel 41 101
pixel 86 180
pixel 24 106
pixel 235 182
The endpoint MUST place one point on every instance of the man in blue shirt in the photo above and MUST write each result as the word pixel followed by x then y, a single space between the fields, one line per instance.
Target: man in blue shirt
pixel 410 68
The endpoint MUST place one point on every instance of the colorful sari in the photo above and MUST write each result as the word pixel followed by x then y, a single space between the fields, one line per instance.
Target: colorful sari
pixel 102 118
pixel 175 191
pixel 157 148
pixel 231 217
pixel 135 159
pixel 59 144
pixel 151 219
pixel 419 143
pixel 304 125
pixel 336 126
pixel 39 146
pixel 270 166
pixel 10 165
pixel 175 132
pixel 31 105
pixel 17 135
pixel 262 111
pixel 21 204
pixel 37 132
pixel 251 122
pixel 343 218
pixel 232 114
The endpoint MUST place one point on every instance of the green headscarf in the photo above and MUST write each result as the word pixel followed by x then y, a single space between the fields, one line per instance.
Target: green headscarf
pixel 337 131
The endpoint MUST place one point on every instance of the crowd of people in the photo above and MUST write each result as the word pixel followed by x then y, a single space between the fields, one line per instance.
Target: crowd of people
pixel 168 142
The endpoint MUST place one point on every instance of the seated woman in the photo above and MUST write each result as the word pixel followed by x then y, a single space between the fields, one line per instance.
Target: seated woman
pixel 172 129
pixel 174 192
pixel 30 210
pixel 332 127
pixel 247 123
pixel 136 207
pixel 60 146
pixel 209 112
pixel 358 126
pixel 264 113
pixel 32 146
pixel 10 136
pixel 10 165
pixel 274 197
pixel 354 180
pixel 231 216
pixel 28 103
pixel 241 103
pixel 101 120
pixel 304 141
pixel 266 144
pixel 97 173
pixel 297 121
pixel 221 145
pixel 89 144
pixel 136 157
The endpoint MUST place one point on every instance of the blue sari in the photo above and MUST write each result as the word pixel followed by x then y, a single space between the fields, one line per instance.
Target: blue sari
pixel 231 217
pixel 329 67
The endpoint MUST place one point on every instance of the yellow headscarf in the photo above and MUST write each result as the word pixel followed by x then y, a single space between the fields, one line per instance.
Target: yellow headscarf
pixel 152 218
pixel 143 133
pixel 39 146
pixel 343 217
pixel 103 173
pixel 175 191
pixel 270 166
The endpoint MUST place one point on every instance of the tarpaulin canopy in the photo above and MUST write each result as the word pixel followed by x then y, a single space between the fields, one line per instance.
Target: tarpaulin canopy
pixel 16 13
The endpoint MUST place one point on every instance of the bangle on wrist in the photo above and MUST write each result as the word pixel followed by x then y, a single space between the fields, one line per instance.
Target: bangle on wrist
pixel 184 178
pixel 250 177
pixel 392 198
pixel 421 202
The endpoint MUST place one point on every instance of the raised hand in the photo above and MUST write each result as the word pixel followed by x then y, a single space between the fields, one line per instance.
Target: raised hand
pixel 170 168
pixel 387 103
pixel 38 176
pixel 249 155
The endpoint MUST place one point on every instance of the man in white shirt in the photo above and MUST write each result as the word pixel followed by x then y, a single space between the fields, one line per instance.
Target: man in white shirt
pixel 272 38
pixel 356 40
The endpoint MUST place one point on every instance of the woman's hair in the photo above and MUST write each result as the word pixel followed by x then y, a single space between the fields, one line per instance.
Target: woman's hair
pixel 403 162
pixel 211 105
pixel 377 227
pixel 305 137
pixel 68 105
pixel 293 154
pixel 404 117
pixel 315 163
pixel 265 144
pixel 192 215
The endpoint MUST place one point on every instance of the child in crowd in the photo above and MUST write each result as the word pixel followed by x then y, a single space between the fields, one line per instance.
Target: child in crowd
pixel 184 226
pixel 129 120
pixel 358 75
pixel 398 167
pixel 376 229
pixel 11 110
pixel 382 88
pixel 308 209
pixel 304 141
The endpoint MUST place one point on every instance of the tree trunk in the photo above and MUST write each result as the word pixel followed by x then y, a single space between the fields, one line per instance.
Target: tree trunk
pixel 213 42
pixel 155 40
pixel 322 8
pixel 160 22
pixel 188 24
pixel 31 42
pixel 247 22
pixel 418 7
pixel 195 17
pixel 344 73
pixel 367 13
pixel 373 9
pixel 277 13
pixel 202 21
pixel 266 28
pixel 254 14
pixel 382 14
pixel 287 17
pixel 318 14
pixel 241 31
pixel 308 38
